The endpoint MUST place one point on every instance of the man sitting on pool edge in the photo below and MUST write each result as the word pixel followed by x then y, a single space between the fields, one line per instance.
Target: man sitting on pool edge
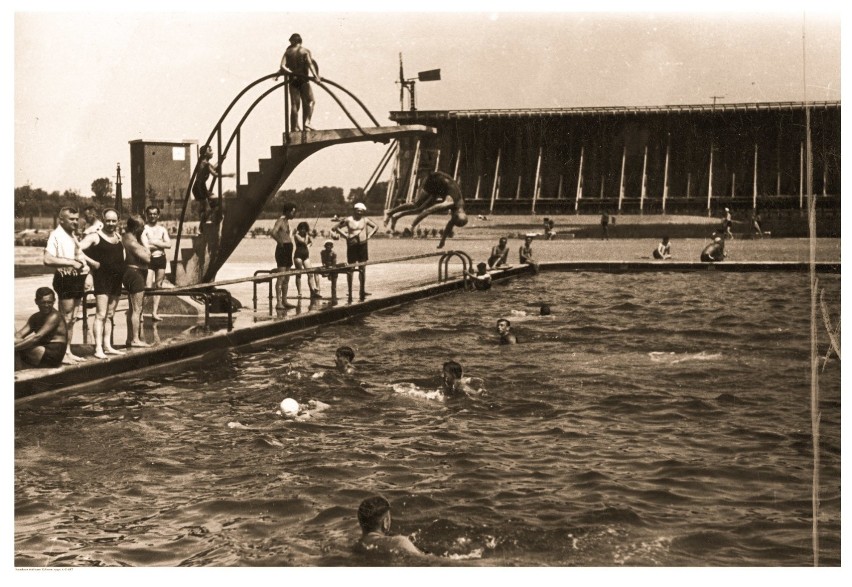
pixel 374 517
pixel 43 340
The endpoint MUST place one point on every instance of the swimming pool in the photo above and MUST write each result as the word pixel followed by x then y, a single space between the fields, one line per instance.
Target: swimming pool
pixel 656 419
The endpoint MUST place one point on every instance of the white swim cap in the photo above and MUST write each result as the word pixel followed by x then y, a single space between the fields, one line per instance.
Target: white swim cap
pixel 360 206
pixel 289 407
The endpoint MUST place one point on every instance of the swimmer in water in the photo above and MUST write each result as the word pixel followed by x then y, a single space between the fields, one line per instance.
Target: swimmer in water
pixel 481 279
pixel 343 358
pixel 504 329
pixel 374 517
pixel 544 310
pixel 290 409
pixel 455 384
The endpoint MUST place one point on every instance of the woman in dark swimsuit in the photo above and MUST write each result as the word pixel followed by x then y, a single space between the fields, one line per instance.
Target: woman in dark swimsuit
pixel 302 238
pixel 105 249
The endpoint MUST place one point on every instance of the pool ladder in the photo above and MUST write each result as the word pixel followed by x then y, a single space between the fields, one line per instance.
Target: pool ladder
pixel 444 266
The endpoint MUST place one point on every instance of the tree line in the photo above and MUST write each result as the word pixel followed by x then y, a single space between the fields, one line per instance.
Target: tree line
pixel 32 203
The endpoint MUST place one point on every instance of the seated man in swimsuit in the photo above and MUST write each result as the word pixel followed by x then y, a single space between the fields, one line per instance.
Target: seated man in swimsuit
pixel 500 253
pixel 42 341
pixel 525 253
pixel 663 250
pixel 433 191
pixel 715 251
pixel 374 517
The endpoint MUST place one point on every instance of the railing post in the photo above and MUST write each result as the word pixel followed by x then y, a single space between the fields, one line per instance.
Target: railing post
pixel 85 321
pixel 287 107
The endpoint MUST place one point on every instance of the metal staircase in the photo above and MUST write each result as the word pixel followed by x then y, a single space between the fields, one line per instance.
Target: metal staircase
pixel 198 260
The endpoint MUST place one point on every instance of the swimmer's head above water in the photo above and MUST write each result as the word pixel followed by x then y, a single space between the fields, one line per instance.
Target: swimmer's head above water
pixel 451 374
pixel 343 358
pixel 374 514
pixel 504 329
pixel 289 408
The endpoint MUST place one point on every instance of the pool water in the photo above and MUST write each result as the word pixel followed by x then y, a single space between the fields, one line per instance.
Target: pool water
pixel 654 420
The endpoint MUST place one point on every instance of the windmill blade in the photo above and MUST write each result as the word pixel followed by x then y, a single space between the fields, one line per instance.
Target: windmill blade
pixel 401 84
pixel 433 75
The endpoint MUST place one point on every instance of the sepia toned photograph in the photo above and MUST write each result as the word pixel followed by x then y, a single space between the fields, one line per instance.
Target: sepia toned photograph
pixel 427 286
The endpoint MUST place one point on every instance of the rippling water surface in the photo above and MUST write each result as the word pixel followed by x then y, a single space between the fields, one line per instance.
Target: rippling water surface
pixel 655 420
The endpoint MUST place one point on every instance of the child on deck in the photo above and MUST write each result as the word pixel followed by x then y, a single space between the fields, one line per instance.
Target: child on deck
pixel 329 261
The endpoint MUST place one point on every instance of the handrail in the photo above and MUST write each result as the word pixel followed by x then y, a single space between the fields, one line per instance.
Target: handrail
pixel 254 289
pixel 291 272
pixel 207 295
pixel 218 129
pixel 444 265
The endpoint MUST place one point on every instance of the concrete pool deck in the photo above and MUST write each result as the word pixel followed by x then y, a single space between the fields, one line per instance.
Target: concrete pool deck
pixel 180 338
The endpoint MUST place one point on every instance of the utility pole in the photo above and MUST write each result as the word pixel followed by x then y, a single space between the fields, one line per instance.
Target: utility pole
pixel 714 98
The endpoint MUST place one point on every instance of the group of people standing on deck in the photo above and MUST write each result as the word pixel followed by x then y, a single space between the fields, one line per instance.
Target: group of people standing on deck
pixel 292 249
pixel 91 254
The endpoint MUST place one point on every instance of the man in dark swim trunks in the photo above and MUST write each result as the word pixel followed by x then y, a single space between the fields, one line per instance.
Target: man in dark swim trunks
pixel 499 253
pixel 43 339
pixel 283 253
pixel 357 230
pixel 298 59
pixel 63 252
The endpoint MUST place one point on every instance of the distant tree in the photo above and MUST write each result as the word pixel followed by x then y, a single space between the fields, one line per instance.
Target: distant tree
pixel 103 195
pixel 374 199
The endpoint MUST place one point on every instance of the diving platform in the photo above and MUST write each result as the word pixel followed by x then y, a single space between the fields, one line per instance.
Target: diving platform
pixel 202 255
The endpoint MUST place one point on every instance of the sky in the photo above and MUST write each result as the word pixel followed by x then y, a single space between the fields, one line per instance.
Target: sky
pixel 87 82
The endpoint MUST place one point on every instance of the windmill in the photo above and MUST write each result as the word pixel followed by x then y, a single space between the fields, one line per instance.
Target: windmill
pixel 431 75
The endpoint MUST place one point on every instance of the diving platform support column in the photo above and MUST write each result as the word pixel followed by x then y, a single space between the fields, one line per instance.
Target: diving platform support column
pixel 801 175
pixel 644 182
pixel 621 181
pixel 537 180
pixel 412 177
pixel 666 175
pixel 710 180
pixel 456 170
pixel 495 187
pixel 579 180
pixel 754 182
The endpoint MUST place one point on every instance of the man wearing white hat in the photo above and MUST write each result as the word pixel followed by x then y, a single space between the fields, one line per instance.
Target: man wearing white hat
pixel 357 230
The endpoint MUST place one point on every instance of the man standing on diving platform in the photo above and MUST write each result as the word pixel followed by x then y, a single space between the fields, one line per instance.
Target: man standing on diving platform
pixel 298 59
